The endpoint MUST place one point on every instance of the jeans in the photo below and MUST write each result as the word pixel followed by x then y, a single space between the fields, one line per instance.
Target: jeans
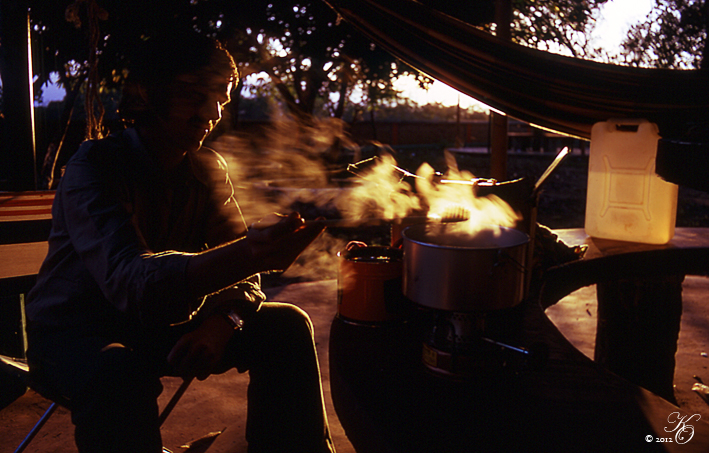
pixel 113 390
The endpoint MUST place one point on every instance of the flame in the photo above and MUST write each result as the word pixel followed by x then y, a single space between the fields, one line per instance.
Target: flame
pixel 381 193
pixel 453 198
pixel 292 158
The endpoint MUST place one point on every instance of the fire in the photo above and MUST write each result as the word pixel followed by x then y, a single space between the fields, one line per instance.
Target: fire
pixel 287 167
pixel 453 198
pixel 381 193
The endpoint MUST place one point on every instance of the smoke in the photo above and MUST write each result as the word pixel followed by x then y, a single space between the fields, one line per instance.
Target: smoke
pixel 319 261
pixel 287 164
pixel 289 167
pixel 381 193
pixel 294 166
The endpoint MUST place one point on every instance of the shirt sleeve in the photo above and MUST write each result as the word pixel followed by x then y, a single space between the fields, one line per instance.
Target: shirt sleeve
pixel 136 281
pixel 225 225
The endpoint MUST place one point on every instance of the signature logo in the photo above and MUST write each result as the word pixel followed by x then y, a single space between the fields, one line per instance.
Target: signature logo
pixel 679 424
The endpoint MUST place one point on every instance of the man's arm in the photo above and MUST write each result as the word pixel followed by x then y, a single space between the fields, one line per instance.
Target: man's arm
pixel 271 248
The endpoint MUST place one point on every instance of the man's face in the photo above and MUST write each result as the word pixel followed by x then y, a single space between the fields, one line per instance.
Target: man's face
pixel 194 107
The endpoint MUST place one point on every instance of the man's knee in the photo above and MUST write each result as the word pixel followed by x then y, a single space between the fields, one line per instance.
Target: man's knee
pixel 283 329
pixel 294 319
pixel 284 319
pixel 278 332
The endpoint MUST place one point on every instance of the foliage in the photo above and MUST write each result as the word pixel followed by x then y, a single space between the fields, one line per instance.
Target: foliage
pixel 673 36
pixel 308 55
pixel 409 111
pixel 313 60
pixel 563 23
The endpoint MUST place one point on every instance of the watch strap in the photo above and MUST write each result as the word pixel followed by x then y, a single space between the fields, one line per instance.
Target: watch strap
pixel 233 318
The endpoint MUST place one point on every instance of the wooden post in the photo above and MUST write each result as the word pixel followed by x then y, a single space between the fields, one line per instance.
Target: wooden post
pixel 17 147
pixel 498 146
pixel 459 140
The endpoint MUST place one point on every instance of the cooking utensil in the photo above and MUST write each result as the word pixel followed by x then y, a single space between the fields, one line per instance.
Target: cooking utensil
pixel 555 163
pixel 447 269
pixel 369 284
pixel 452 214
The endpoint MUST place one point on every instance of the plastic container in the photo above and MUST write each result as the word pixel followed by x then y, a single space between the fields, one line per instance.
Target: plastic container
pixel 626 200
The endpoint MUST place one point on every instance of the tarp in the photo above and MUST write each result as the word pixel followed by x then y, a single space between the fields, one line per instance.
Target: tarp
pixel 561 93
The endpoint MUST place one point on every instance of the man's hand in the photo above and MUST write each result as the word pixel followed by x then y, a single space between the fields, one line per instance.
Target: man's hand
pixel 270 245
pixel 196 353
pixel 277 240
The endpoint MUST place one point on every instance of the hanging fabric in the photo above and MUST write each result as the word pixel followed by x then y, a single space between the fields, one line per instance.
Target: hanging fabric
pixel 561 93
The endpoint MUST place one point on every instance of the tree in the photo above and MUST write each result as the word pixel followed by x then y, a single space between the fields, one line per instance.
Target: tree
pixel 673 36
pixel 309 56
pixel 563 23
pixel 300 45
pixel 314 61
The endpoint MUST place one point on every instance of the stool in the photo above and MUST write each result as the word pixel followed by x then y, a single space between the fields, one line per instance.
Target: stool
pixel 19 369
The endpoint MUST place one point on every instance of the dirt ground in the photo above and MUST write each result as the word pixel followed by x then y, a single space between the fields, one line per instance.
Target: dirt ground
pixel 576 316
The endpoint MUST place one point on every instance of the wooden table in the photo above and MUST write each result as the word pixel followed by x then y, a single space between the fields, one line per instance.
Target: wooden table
pixel 19 265
pixel 684 240
pixel 639 291
pixel 388 402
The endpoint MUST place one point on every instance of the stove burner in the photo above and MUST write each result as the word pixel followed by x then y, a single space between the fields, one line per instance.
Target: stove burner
pixel 460 345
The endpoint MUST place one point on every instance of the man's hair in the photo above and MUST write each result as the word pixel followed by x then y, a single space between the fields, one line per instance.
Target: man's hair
pixel 159 60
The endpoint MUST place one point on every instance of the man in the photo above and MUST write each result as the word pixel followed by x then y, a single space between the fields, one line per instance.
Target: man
pixel 144 227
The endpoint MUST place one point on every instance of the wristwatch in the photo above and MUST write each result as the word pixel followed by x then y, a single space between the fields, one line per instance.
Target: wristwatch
pixel 233 318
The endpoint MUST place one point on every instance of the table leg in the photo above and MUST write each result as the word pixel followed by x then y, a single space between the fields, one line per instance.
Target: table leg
pixel 638 328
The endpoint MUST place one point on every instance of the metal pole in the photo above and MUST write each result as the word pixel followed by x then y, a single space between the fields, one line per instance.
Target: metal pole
pixel 175 398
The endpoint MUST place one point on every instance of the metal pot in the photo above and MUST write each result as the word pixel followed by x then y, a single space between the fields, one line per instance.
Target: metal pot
pixel 446 269
pixel 369 284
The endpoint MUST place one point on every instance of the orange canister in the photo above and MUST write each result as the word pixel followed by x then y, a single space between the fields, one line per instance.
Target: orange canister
pixel 369 284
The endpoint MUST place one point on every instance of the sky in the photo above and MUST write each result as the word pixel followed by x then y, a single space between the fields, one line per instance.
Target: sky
pixel 616 18
pixel 51 92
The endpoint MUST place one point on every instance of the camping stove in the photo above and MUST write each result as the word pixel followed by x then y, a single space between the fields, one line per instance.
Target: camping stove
pixel 470 285
pixel 462 345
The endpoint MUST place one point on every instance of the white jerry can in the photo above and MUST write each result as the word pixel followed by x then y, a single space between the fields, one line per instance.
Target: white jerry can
pixel 625 199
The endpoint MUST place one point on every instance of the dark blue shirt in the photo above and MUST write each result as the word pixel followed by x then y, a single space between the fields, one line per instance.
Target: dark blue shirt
pixel 123 230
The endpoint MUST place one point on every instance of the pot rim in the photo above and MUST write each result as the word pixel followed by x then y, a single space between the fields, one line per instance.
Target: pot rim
pixel 395 254
pixel 522 238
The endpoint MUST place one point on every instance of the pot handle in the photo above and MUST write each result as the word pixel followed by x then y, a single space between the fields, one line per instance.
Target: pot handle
pixel 355 245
